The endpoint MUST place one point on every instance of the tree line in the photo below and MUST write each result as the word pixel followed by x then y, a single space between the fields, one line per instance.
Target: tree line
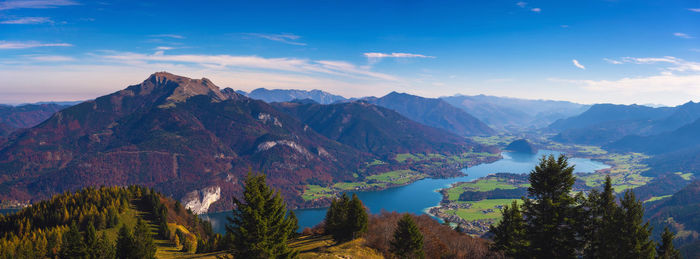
pixel 66 226
pixel 554 222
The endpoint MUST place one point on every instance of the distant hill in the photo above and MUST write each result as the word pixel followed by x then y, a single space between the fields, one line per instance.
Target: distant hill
pixel 521 145
pixel 181 136
pixel 433 112
pixel 685 137
pixel 605 123
pixel 28 115
pixel 5 129
pixel 285 95
pixel 681 212
pixel 513 114
pixel 374 129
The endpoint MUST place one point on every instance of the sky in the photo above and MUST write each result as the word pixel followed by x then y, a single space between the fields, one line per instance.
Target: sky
pixel 586 51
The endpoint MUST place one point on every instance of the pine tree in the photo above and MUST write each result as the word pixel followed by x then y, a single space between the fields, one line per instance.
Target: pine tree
pixel 104 248
pixel 346 218
pixel 601 226
pixel 259 225
pixel 357 217
pixel 73 245
pixel 550 217
pixel 126 246
pixel 336 218
pixel 145 247
pixel 294 224
pixel 509 233
pixel 634 235
pixel 666 249
pixel 91 239
pixel 408 240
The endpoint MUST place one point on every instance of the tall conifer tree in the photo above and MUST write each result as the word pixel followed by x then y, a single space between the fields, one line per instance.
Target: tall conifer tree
pixel 509 233
pixel 73 244
pixel 634 233
pixel 550 216
pixel 259 224
pixel 408 240
pixel 666 249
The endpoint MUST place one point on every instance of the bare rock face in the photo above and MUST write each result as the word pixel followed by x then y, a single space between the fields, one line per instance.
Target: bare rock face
pixel 199 200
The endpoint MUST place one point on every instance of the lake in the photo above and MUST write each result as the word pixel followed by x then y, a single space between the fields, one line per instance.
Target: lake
pixel 422 194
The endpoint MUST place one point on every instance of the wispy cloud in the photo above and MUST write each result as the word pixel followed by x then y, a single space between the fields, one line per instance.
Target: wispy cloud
pixel 394 55
pixel 577 64
pixel 682 35
pixel 697 10
pixel 173 36
pixel 30 44
pixel 676 64
pixel 34 4
pixel 521 4
pixel 374 57
pixel 28 20
pixel 164 48
pixel 51 58
pixel 327 67
pixel 287 38
pixel 536 9
pixel 612 61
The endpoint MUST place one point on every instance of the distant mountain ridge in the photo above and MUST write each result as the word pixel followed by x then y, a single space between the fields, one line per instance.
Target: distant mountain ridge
pixel 28 115
pixel 433 112
pixel 285 95
pixel 374 129
pixel 605 123
pixel 513 114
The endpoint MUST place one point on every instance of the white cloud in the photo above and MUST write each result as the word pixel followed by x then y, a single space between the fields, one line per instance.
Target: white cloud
pixel 164 48
pixel 682 85
pixel 676 64
pixel 577 64
pixel 697 10
pixel 337 68
pixel 174 36
pixel 682 35
pixel 284 38
pixel 29 44
pixel 51 58
pixel 394 55
pixel 612 61
pixel 536 9
pixel 28 20
pixel 35 4
pixel 521 4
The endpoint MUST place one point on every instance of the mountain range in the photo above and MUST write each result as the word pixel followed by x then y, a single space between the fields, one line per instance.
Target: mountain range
pixel 375 129
pixel 606 123
pixel 25 115
pixel 195 142
pixel 433 112
pixel 513 114
pixel 284 95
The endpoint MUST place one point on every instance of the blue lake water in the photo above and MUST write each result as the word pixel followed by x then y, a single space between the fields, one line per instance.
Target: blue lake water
pixel 421 195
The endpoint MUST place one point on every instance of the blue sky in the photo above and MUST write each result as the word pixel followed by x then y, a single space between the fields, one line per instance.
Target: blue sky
pixel 589 51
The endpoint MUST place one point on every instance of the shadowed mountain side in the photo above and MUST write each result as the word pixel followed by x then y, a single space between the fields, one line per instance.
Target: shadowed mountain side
pixel 375 129
pixel 433 112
